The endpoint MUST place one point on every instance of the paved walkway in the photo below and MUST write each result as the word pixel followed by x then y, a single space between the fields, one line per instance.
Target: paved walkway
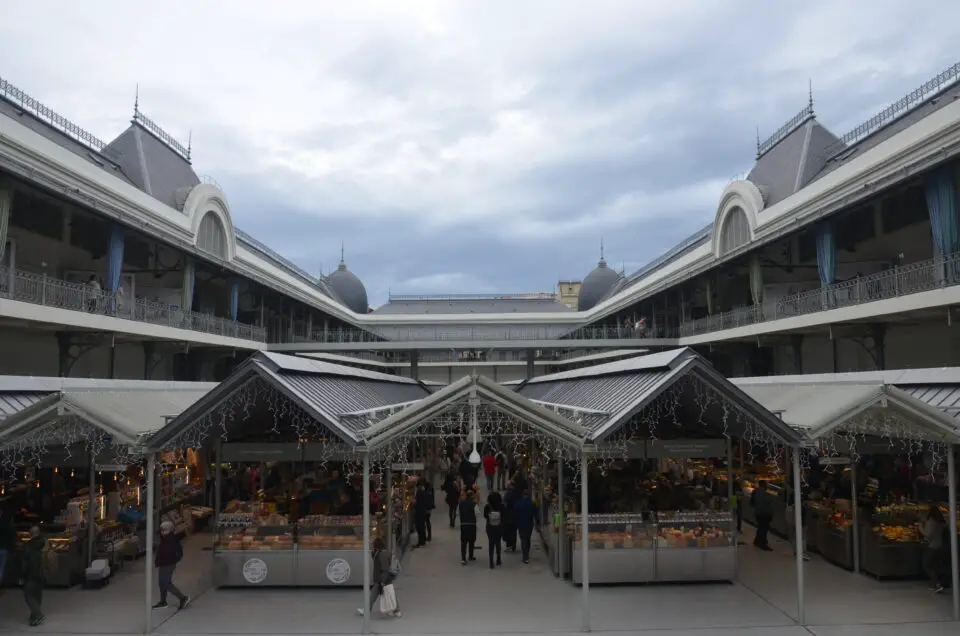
pixel 439 596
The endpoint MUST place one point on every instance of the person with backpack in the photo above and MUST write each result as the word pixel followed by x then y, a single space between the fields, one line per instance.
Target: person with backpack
pixel 169 554
pixel 493 513
pixel 33 575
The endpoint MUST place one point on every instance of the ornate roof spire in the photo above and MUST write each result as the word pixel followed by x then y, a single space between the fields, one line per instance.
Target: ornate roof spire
pixel 343 263
pixel 136 101
pixel 603 261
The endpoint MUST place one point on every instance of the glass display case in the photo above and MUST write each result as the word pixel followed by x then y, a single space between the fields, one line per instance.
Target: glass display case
pixel 696 546
pixel 890 542
pixel 66 548
pixel 330 550
pixel 620 545
pixel 258 555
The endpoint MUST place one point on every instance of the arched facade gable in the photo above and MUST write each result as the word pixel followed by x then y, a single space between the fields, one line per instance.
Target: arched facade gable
pixel 209 199
pixel 739 198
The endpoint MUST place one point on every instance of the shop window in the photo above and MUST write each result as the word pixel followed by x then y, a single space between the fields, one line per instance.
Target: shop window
pixel 38 214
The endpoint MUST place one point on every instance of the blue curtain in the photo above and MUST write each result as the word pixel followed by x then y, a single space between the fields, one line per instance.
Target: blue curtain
pixel 941 191
pixel 189 272
pixel 826 254
pixel 115 258
pixel 234 298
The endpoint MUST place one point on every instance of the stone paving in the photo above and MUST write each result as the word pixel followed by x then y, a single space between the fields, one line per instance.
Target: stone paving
pixel 439 596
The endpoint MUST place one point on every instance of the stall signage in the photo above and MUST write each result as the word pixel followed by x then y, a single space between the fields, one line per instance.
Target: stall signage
pixel 407 468
pixel 679 448
pixel 254 571
pixel 240 452
pixel 834 461
pixel 338 571
pixel 111 468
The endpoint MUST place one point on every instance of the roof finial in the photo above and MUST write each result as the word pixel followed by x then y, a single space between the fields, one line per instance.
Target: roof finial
pixel 136 101
pixel 189 144
pixel 341 251
pixel 758 142
pixel 810 95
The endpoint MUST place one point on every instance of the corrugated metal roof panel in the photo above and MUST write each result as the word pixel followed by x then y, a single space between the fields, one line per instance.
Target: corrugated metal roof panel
pixel 133 413
pixel 944 397
pixel 611 394
pixel 655 361
pixel 337 395
pixel 13 403
pixel 808 406
pixel 299 364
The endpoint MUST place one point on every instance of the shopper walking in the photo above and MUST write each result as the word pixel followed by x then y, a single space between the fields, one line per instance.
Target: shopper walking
pixel 169 554
pixel 431 504
pixel 933 558
pixel 762 505
pixel 489 468
pixel 493 513
pixel 32 575
pixel 381 577
pixel 468 526
pixel 421 508
pixel 525 518
pixel 509 524
pixel 451 491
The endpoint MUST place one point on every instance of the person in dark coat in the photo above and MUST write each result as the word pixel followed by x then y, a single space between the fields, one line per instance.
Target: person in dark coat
pixel 509 525
pixel 8 536
pixel 32 574
pixel 762 504
pixel 381 576
pixel 493 513
pixel 468 526
pixel 431 504
pixel 525 518
pixel 169 554
pixel 421 508
pixel 452 497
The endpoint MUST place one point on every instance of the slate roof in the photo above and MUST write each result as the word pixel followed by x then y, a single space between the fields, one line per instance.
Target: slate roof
pixel 153 166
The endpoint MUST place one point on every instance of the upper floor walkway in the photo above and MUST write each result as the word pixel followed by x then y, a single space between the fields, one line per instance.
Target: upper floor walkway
pixel 895 283
pixel 899 282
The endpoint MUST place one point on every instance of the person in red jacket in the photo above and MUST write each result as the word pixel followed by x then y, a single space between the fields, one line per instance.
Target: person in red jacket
pixel 490 464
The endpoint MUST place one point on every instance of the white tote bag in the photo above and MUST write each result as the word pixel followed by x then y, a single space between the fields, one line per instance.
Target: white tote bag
pixel 388 599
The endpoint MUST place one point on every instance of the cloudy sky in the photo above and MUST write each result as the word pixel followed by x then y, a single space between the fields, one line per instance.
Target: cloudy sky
pixel 471 146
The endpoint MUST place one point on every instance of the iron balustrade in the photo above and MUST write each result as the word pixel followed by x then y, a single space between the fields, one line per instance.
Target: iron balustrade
pixel 902 280
pixel 40 289
pixel 477 334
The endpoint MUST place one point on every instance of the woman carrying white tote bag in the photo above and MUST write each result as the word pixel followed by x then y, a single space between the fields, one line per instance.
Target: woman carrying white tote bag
pixel 382 582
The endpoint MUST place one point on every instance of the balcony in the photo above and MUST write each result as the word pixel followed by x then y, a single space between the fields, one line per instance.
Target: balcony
pixel 478 334
pixel 39 289
pixel 898 281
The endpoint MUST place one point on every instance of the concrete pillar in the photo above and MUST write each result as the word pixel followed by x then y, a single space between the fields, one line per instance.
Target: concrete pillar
pixel 414 365
pixel 531 356
pixel 879 335
pixel 797 343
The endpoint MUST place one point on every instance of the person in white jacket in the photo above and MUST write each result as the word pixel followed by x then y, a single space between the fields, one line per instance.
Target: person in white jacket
pixel 932 530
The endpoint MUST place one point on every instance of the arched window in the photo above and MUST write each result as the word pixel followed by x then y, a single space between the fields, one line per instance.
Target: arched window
pixel 212 237
pixel 735 232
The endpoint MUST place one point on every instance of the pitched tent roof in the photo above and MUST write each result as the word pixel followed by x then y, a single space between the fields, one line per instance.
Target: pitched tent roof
pixel 821 409
pixel 487 391
pixel 622 389
pixel 325 391
pixel 125 416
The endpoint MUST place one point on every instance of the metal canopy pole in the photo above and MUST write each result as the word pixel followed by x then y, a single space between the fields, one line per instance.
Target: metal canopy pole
pixel 91 504
pixel 855 517
pixel 798 524
pixel 148 555
pixel 367 553
pixel 952 490
pixel 560 533
pixel 391 542
pixel 584 541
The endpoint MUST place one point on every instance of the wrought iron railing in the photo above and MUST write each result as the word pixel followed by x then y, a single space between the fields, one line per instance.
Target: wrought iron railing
pixel 901 280
pixel 39 289
pixel 478 334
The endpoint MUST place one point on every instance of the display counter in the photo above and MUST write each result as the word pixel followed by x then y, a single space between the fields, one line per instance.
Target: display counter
pixel 676 547
pixel 262 556
pixel 330 551
pixel 890 543
pixel 63 556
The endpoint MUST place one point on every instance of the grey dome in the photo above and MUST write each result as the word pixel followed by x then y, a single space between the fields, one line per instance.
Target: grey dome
pixel 596 285
pixel 349 289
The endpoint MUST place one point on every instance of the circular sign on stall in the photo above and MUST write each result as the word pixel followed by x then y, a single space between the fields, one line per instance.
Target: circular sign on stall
pixel 254 571
pixel 338 571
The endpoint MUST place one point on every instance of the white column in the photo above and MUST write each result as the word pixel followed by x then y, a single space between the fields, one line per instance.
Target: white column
pixel 585 541
pixel 561 534
pixel 798 524
pixel 855 516
pixel 148 555
pixel 952 489
pixel 367 574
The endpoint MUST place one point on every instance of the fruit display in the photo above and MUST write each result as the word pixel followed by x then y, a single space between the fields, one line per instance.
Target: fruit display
pixel 613 531
pixel 897 534
pixel 695 530
pixel 839 520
